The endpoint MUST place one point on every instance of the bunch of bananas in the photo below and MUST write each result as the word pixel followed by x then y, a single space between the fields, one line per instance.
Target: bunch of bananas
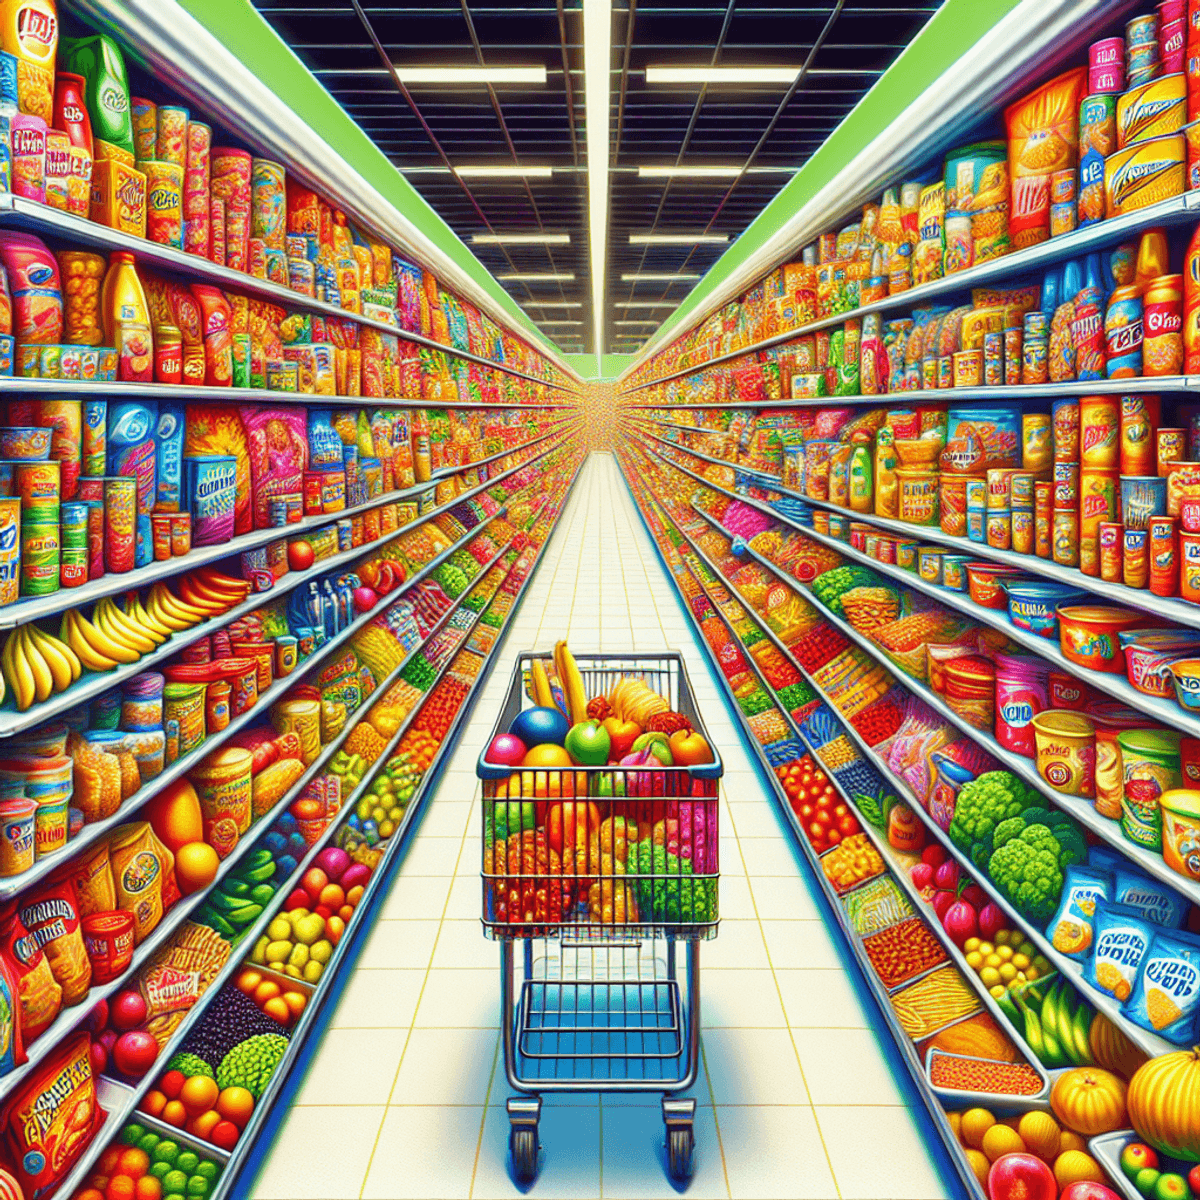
pixel 36 665
pixel 634 700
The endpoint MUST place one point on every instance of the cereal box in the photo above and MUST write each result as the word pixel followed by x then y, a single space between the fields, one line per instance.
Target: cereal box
pixel 119 196
pixel 210 492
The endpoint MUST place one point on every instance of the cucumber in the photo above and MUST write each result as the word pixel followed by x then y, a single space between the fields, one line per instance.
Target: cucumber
pixel 263 894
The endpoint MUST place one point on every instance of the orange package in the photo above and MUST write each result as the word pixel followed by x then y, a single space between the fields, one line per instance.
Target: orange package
pixel 1043 137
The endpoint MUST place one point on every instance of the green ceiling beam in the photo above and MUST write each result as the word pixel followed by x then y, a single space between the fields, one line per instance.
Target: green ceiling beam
pixel 949 34
pixel 244 32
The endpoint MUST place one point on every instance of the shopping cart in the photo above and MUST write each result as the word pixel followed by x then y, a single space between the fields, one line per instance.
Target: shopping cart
pixel 600 872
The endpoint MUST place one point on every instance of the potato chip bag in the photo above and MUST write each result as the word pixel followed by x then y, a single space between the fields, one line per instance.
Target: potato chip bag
pixel 144 873
pixel 1072 930
pixel 1043 137
pixel 51 915
pixel 12 1043
pixel 1122 938
pixel 1157 902
pixel 278 446
pixel 40 996
pixel 218 429
pixel 1166 995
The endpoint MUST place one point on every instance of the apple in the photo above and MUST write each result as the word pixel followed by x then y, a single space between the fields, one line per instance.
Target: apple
pixel 922 876
pixel 587 742
pixel 300 555
pixel 1146 1180
pixel 622 735
pixel 99 1058
pixel 689 749
pixel 1137 1156
pixel 946 876
pixel 314 881
pixel 1194 1179
pixel 364 598
pixel 134 1053
pixel 98 1017
pixel 1172 1187
pixel 127 1010
pixel 506 750
pixel 1086 1190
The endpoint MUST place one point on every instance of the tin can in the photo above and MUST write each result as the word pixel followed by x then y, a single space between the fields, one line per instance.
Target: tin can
pixel 1021 490
pixel 241 350
pixel 1066 486
pixel 1172 447
pixel 144 116
pixel 345 534
pixel 1043 534
pixel 171 141
pixel 1099 432
pixel 993 358
pixel 1108 79
pixel 39 487
pixel 1035 349
pixel 998 528
pixel 1022 530
pixel 1111 537
pixel 216 223
pixel 1099 503
pixel 1063 217
pixel 1189 567
pixel 73 566
pixel 40 559
pixel 10 549
pixel 1140 415
pixel 356 530
pixel 1066 537
pixel 1136 564
pixel 181 534
pixel 1123 333
pixel 1142 31
pixel 1037 442
pixel 1164 556
pixel 312 493
pixel 160 524
pixel 120 523
pixel 95 538
pixel 1064 417
pixel 1013 356
pixel 74 525
pixel 1172 46
pixel 1107 52
pixel 164 203
pixel 1162 349
pixel 975 524
pixel 286 649
pixel 216 706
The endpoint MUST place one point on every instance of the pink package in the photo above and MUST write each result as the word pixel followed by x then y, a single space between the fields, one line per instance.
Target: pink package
pixel 218 429
pixel 278 440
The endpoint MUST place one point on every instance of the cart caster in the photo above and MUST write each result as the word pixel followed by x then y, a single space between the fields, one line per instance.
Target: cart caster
pixel 678 1115
pixel 523 1113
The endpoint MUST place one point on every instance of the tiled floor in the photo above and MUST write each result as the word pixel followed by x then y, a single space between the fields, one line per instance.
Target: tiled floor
pixel 406 1094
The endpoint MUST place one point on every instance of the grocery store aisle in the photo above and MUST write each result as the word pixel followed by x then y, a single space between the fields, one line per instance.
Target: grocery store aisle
pixel 405 1097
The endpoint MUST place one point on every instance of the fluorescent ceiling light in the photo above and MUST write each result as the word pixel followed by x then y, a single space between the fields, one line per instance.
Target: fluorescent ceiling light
pixel 635 323
pixel 651 277
pixel 706 172
pixel 645 303
pixel 471 74
pixel 560 321
pixel 721 74
pixel 512 170
pixel 538 276
pixel 678 239
pixel 520 239
pixel 552 303
pixel 597 63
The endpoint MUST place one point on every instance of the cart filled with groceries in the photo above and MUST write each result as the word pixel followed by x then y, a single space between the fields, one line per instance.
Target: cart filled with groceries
pixel 600 856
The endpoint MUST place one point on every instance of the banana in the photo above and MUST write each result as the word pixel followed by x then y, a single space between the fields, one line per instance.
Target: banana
pixel 102 643
pixel 215 579
pixel 18 671
pixel 43 679
pixel 219 588
pixel 170 603
pixel 88 656
pixel 542 695
pixel 572 681
pixel 168 620
pixel 129 622
pixel 121 629
pixel 59 658
pixel 189 595
pixel 196 591
pixel 136 611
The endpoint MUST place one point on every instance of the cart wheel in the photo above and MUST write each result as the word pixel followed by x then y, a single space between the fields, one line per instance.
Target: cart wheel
pixel 681 1146
pixel 523 1145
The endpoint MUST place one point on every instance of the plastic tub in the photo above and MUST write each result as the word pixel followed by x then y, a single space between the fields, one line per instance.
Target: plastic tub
pixel 1181 831
pixel 1187 682
pixel 1033 604
pixel 1066 751
pixel 1111 720
pixel 983 582
pixel 1149 654
pixel 1150 766
pixel 1088 635
pixel 1022 687
pixel 954 571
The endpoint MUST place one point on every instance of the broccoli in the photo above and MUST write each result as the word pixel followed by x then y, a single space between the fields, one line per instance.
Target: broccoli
pixel 1007 830
pixel 984 803
pixel 189 1065
pixel 1037 815
pixel 1027 871
pixel 250 1064
pixel 665 891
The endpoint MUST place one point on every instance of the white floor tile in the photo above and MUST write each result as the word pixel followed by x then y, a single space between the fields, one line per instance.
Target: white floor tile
pixel 774 1151
pixel 634 1156
pixel 446 1066
pixel 569 1162
pixel 416 897
pixel 411 1161
pixel 466 998
pixel 753 1066
pixel 821 999
pixel 739 999
pixel 896 1168
pixel 293 1172
pixel 358 1067
pixel 846 1066
pixel 379 1000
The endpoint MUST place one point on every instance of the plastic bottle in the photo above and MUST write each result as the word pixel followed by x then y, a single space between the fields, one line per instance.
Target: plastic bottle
pixel 1152 259
pixel 422 468
pixel 861 485
pixel 1051 287
pixel 122 298
pixel 1191 305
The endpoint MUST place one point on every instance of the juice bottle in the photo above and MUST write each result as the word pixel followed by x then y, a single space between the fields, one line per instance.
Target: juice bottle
pixel 422 461
pixel 861 489
pixel 122 299
pixel 1152 260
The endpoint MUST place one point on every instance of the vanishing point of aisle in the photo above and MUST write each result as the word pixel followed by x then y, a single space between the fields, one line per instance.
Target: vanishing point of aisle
pixel 408 1082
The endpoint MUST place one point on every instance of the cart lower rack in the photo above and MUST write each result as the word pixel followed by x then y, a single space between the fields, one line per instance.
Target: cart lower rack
pixel 600 871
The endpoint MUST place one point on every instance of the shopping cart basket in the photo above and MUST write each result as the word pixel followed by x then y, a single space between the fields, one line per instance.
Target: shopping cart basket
pixel 599 872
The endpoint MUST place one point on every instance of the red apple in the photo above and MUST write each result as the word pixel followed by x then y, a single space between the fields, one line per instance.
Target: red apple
pixel 364 598
pixel 314 881
pixel 506 749
pixel 300 555
pixel 921 875
pixel 1193 1178
pixel 127 1010
pixel 98 1017
pixel 297 898
pixel 134 1053
pixel 946 876
pixel 934 855
pixel 99 1058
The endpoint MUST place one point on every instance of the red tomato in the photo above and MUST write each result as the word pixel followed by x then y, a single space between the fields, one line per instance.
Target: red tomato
pixel 806 812
pixel 847 825
pixel 833 838
pixel 840 810
pixel 819 777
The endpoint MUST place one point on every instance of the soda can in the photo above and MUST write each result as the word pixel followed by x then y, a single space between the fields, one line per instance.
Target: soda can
pixel 1107 52
pixel 73 566
pixel 164 203
pixel 345 534
pixel 95 437
pixel 1099 432
pixel 1164 556
pixel 237 238
pixel 993 358
pixel 1172 448
pixel 95 535
pixel 1066 487
pixel 74 525
pixel 160 530
pixel 1172 46
pixel 1123 333
pixel 40 559
pixel 1062 217
pixel 144 114
pixel 39 485
pixel 1012 357
pixel 168 354
pixel 312 494
pixel 1109 79
pixel 1140 416
pixel 1111 535
pixel 1022 530
pixel 120 523
pixel 1136 565
pixel 171 142
pixel 1099 502
pixel 216 217
pixel 1066 537
pixel 241 351
pixel 10 549
pixel 181 534
pixel 1142 31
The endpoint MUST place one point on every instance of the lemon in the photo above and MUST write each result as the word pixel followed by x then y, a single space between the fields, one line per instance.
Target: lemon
pixel 1008 972
pixel 993 960
pixel 970 944
pixel 1005 953
pixel 974 960
pixel 1020 961
pixel 997 991
pixel 986 948
pixel 1000 1140
pixel 990 976
pixel 974 1126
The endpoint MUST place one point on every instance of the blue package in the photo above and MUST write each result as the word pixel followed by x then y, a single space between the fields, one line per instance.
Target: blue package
pixel 9 67
pixel 324 442
pixel 168 443
pixel 5 150
pixel 1157 902
pixel 209 492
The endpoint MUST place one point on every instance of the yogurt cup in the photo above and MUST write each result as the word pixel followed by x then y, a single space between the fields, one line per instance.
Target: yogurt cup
pixel 1088 635
pixel 1149 654
pixel 1187 682
pixel 1150 767
pixel 1065 745
pixel 16 836
pixel 983 582
pixel 1033 604
pixel 1181 831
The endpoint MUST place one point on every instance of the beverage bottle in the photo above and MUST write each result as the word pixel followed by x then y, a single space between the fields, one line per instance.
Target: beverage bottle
pixel 1191 305
pixel 422 468
pixel 861 486
pixel 70 111
pixel 1051 286
pixel 1163 343
pixel 1152 260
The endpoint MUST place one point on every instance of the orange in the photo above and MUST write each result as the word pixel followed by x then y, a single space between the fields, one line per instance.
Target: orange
pixel 203 1125
pixel 174 1114
pixel 148 1188
pixel 277 1009
pixel 267 990
pixel 90 1194
pixel 133 1162
pixel 248 980
pixel 175 816
pixel 236 1104
pixel 195 866
pixel 120 1187
pixel 295 1002
pixel 199 1094
pixel 109 1159
pixel 153 1102
pixel 547 755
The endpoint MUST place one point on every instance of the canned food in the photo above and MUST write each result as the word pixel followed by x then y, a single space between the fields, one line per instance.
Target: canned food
pixel 1172 447
pixel 1136 562
pixel 1164 561
pixel 1111 536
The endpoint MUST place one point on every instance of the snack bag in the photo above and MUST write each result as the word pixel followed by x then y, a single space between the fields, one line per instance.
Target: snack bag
pixel 278 456
pixel 39 995
pixel 1122 939
pixel 144 873
pixel 12 1045
pixel 1166 995
pixel 1157 902
pixel 52 917
pixel 1072 930
pixel 218 429
pixel 1043 137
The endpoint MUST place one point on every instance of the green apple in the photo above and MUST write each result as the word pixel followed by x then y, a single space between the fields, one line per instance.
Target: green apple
pixel 1146 1180
pixel 611 784
pixel 658 745
pixel 1172 1187
pixel 587 742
